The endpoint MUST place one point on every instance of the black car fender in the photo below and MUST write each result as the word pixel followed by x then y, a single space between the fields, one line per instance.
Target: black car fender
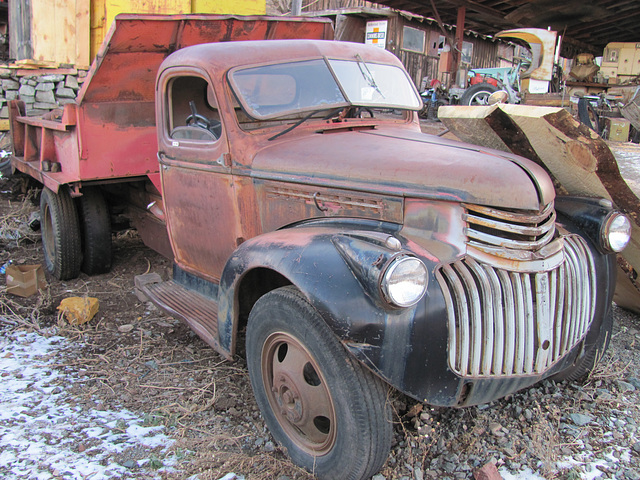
pixel 338 267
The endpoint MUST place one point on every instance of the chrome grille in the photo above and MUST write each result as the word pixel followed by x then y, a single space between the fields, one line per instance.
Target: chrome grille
pixel 505 323
pixel 500 231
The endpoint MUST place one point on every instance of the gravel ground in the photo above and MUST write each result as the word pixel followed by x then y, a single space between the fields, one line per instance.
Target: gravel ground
pixel 134 394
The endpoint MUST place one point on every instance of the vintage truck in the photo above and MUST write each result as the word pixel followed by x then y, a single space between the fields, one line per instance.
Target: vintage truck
pixel 309 216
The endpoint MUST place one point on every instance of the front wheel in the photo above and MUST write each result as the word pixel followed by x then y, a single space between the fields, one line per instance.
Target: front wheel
pixel 478 94
pixel 329 412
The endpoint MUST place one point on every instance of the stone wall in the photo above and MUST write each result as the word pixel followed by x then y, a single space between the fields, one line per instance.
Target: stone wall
pixel 40 93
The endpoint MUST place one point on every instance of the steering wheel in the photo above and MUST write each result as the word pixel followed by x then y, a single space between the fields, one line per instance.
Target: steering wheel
pixel 359 110
pixel 197 120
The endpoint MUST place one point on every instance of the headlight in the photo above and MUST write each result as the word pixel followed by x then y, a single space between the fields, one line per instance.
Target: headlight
pixel 404 281
pixel 616 232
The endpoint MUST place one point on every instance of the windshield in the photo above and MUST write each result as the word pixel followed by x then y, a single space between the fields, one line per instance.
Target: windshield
pixel 288 89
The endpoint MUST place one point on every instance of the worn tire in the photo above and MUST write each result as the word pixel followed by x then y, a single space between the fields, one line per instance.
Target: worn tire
pixel 592 355
pixel 478 94
pixel 588 115
pixel 328 411
pixel 95 227
pixel 60 234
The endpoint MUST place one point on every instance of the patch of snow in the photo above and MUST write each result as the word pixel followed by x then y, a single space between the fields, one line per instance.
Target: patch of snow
pixel 42 436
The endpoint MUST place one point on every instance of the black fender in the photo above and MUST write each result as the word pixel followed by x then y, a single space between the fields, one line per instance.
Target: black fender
pixel 336 265
pixel 585 216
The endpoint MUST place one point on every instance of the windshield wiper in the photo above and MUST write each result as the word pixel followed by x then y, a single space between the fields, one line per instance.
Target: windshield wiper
pixel 332 112
pixel 367 75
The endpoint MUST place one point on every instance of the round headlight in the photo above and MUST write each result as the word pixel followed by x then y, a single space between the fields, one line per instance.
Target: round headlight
pixel 405 281
pixel 616 232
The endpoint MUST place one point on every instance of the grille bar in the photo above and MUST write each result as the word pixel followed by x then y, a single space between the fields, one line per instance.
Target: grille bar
pixel 505 323
pixel 501 231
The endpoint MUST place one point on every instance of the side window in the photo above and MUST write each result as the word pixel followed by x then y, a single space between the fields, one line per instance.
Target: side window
pixel 192 110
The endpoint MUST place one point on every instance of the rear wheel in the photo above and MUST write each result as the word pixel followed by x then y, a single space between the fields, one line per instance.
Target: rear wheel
pixel 329 412
pixel 60 234
pixel 95 226
pixel 478 94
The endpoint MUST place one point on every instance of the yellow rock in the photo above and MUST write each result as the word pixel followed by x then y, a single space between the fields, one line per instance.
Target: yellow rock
pixel 78 310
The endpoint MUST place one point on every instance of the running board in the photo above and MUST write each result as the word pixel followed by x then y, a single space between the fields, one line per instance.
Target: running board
pixel 198 311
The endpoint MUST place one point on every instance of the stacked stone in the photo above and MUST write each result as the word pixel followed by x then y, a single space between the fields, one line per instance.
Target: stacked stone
pixel 40 93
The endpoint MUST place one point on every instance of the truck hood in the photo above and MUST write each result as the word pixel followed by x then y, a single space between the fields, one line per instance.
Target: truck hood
pixel 406 163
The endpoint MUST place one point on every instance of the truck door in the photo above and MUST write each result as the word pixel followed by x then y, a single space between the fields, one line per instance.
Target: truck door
pixel 197 184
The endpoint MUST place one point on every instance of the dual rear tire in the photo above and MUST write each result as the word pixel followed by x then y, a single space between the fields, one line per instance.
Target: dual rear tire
pixel 76 234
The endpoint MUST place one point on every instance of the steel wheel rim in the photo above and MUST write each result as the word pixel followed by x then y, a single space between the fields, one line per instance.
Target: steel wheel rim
pixel 298 394
pixel 480 98
pixel 47 234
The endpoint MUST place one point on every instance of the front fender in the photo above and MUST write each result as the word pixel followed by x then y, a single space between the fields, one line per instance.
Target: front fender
pixel 335 266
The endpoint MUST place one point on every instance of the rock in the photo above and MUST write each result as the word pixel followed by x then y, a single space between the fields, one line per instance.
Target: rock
pixel 417 474
pixel 71 82
pixel 45 87
pixel 580 419
pixel 634 381
pixel 488 472
pixel 45 96
pixel 269 447
pixel 636 447
pixel 52 78
pixel 9 84
pixel 65 92
pixel 625 387
pixel 379 477
pixel 45 106
pixel 27 90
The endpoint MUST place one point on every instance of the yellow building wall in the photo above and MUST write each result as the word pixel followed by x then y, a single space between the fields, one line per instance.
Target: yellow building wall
pixel 103 12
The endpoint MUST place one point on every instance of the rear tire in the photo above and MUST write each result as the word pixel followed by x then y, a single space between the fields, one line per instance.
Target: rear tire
pixel 327 410
pixel 95 226
pixel 478 94
pixel 60 234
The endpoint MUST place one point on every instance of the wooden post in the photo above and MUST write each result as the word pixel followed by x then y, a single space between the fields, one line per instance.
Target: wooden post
pixel 457 53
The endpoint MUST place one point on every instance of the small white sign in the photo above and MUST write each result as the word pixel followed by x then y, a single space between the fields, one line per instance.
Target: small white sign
pixel 376 33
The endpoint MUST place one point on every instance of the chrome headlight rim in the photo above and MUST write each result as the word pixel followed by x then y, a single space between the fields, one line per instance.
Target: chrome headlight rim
pixel 388 287
pixel 615 223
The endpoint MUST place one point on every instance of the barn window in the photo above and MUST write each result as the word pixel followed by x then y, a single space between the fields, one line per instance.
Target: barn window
pixel 413 39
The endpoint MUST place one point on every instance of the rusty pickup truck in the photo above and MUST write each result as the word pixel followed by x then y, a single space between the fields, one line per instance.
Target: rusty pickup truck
pixel 309 216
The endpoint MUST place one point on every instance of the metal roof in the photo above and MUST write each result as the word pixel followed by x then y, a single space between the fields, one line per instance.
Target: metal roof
pixel 585 23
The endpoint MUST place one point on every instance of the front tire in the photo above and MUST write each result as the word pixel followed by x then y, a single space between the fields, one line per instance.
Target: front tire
pixel 478 94
pixel 328 411
pixel 60 234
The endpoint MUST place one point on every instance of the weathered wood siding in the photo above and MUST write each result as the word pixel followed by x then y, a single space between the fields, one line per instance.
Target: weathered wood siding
pixel 45 32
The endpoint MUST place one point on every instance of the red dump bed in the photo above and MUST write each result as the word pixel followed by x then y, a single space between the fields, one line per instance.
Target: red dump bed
pixel 110 132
